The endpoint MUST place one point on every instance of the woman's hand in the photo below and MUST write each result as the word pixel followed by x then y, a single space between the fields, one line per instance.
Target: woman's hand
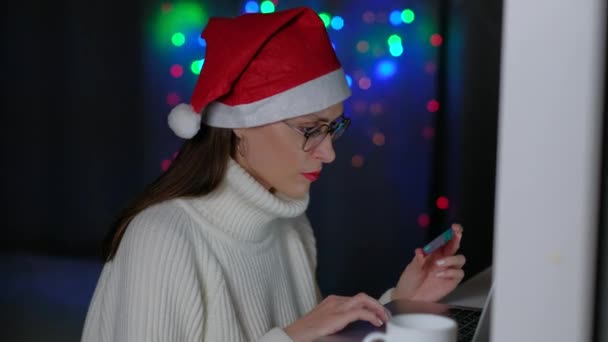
pixel 334 313
pixel 430 278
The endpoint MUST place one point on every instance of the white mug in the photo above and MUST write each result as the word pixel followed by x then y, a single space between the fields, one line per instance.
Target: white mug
pixel 417 327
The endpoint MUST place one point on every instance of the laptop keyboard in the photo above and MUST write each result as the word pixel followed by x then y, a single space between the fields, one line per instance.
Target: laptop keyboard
pixel 467 322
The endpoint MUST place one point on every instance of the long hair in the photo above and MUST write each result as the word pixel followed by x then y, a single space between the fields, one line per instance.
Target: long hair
pixel 196 171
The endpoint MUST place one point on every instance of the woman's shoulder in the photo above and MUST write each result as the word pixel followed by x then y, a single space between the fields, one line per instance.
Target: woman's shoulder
pixel 160 223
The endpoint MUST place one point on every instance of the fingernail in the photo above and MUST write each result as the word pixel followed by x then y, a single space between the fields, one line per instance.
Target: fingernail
pixel 440 274
pixel 440 262
pixel 380 323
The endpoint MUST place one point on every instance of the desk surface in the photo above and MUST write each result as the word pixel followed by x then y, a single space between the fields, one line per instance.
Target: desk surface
pixel 471 293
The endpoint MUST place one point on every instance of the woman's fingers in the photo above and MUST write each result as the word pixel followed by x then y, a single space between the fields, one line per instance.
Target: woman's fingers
pixel 456 261
pixel 365 315
pixel 364 301
pixel 454 245
pixel 451 273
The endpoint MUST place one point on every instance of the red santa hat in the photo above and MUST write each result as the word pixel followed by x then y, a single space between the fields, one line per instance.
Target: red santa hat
pixel 260 69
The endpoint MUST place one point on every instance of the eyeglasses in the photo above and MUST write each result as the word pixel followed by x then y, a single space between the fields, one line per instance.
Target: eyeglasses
pixel 314 136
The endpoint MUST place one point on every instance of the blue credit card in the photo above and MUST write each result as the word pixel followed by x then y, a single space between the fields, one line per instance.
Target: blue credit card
pixel 439 241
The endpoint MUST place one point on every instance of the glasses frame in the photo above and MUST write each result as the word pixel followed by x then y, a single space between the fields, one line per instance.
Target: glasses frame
pixel 332 127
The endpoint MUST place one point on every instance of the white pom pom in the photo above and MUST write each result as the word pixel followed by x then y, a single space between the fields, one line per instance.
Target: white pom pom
pixel 184 122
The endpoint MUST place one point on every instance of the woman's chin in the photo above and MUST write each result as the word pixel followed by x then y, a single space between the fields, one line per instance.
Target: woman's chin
pixel 296 192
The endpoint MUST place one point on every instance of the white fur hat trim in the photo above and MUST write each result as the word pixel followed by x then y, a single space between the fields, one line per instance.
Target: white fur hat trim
pixel 184 122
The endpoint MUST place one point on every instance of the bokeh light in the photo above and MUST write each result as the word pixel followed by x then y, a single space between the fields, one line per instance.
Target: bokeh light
pixel 408 16
pixel 267 7
pixel 394 39
pixel 178 39
pixel 357 160
pixel 379 139
pixel 362 46
pixel 349 80
pixel 365 83
pixel 182 17
pixel 432 106
pixel 443 203
pixel 252 7
pixel 326 19
pixel 386 69
pixel 395 18
pixel 396 50
pixel 173 99
pixel 436 40
pixel 176 71
pixel 337 23
pixel 424 220
pixel 196 66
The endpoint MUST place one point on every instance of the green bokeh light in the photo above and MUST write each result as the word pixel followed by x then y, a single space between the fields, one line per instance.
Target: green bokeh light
pixel 394 39
pixel 196 66
pixel 182 17
pixel 408 16
pixel 178 39
pixel 267 7
pixel 326 18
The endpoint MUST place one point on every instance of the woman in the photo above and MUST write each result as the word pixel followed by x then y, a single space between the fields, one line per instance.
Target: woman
pixel 219 247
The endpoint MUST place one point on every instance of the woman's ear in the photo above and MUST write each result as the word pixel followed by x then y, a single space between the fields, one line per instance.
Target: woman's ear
pixel 239 132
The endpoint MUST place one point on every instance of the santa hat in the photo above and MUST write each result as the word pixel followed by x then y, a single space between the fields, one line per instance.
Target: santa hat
pixel 260 69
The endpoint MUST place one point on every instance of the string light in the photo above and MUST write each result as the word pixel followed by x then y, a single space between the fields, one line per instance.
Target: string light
pixel 395 18
pixel 196 66
pixel 396 50
pixel 349 80
pixel 178 39
pixel 176 71
pixel 252 7
pixel 424 220
pixel 326 19
pixel 362 46
pixel 443 203
pixel 365 83
pixel 436 40
pixel 357 161
pixel 337 23
pixel 267 7
pixel 432 106
pixel 408 16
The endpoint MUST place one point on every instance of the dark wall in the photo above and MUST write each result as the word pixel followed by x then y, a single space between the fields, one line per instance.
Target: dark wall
pixel 480 128
pixel 71 116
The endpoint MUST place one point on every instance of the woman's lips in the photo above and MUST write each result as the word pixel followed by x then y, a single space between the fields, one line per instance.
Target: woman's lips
pixel 311 176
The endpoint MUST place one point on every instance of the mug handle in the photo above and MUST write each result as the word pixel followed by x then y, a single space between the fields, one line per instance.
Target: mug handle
pixel 375 336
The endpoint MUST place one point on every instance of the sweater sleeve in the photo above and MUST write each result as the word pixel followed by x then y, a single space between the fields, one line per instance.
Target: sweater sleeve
pixel 387 296
pixel 275 335
pixel 160 296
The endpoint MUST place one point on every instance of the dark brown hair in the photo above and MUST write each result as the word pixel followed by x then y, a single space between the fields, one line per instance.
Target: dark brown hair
pixel 196 171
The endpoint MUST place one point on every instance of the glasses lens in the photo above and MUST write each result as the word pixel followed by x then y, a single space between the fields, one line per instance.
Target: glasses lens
pixel 316 137
pixel 340 129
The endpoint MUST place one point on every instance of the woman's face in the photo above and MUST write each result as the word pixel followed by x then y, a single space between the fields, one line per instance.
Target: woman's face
pixel 273 153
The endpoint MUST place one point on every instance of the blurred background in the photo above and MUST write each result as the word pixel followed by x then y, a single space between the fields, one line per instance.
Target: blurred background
pixel 87 87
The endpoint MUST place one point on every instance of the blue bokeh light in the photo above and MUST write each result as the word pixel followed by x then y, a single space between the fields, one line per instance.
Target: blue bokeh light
pixel 349 80
pixel 337 23
pixel 396 50
pixel 386 69
pixel 252 7
pixel 395 18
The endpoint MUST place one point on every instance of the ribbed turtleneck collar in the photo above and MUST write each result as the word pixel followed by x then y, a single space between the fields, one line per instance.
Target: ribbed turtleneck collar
pixel 242 207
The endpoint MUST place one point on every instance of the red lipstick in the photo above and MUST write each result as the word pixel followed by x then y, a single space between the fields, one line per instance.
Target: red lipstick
pixel 312 176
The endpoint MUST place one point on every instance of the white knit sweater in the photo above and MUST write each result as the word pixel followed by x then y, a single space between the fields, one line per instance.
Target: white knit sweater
pixel 235 265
